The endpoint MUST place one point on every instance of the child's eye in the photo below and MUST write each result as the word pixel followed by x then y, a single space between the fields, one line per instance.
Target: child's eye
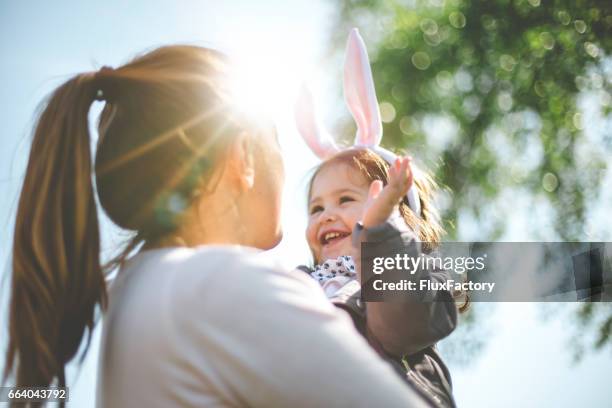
pixel 346 199
pixel 316 209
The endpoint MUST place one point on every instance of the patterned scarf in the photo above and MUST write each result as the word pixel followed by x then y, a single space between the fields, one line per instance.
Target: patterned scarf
pixel 335 273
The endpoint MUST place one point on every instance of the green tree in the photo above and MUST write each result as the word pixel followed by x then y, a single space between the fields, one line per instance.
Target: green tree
pixel 506 77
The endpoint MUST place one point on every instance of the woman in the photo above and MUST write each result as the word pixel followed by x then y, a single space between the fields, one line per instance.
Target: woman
pixel 196 317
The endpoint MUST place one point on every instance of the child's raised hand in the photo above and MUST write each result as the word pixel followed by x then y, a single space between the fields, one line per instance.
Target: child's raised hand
pixel 382 201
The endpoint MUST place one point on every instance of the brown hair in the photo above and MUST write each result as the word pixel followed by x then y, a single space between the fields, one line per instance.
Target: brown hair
pixel 373 167
pixel 165 124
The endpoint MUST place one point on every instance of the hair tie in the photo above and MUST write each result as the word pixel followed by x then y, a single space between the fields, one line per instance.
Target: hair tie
pixel 101 83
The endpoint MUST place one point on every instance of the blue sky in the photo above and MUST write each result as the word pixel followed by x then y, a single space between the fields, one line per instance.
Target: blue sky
pixel 525 361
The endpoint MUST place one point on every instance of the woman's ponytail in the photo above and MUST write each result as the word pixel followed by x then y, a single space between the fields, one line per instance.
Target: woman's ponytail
pixel 57 279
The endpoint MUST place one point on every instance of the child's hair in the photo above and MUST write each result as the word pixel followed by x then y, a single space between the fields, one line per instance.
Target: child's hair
pixel 165 124
pixel 373 167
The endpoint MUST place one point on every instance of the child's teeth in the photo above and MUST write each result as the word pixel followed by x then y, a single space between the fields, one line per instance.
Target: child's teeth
pixel 331 235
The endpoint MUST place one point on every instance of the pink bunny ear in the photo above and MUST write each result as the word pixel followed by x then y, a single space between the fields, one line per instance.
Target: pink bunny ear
pixel 360 97
pixel 359 92
pixel 319 141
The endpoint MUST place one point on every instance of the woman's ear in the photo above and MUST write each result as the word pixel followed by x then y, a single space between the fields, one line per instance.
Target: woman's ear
pixel 241 162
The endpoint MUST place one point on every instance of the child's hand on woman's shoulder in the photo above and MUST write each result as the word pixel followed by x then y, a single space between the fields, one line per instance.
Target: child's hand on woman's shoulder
pixel 383 200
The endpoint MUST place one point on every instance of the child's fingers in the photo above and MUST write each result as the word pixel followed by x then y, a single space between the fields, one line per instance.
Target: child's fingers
pixel 395 171
pixel 403 179
pixel 379 205
pixel 400 175
pixel 375 188
pixel 374 211
pixel 406 172
pixel 409 172
pixel 406 165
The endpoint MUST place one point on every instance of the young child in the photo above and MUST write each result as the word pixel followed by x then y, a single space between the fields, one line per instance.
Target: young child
pixel 366 193
pixel 347 191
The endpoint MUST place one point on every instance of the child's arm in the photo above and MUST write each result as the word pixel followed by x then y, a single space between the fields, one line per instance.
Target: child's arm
pixel 408 327
pixel 402 328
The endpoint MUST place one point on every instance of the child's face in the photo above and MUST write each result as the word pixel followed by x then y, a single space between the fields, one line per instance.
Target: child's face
pixel 337 199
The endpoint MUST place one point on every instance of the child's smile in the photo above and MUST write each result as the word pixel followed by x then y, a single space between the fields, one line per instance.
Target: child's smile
pixel 332 238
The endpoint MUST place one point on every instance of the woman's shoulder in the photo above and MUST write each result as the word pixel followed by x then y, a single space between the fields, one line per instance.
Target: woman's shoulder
pixel 234 263
pixel 199 262
pixel 214 274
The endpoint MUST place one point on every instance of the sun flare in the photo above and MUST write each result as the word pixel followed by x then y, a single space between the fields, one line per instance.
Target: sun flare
pixel 266 79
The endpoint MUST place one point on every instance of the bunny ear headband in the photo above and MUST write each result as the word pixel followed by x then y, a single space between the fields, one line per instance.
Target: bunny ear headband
pixel 360 97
